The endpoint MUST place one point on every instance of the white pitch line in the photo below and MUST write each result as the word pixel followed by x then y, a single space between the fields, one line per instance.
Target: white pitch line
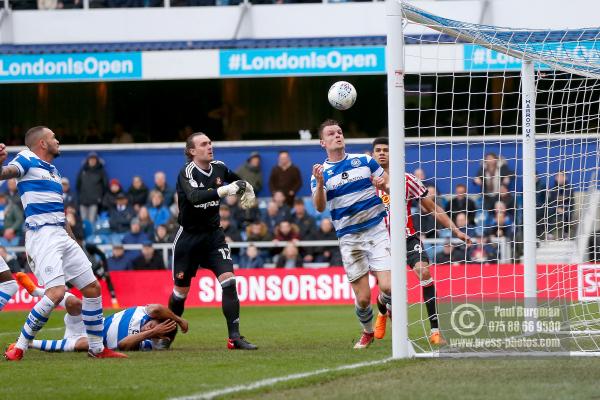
pixel 273 381
pixel 43 330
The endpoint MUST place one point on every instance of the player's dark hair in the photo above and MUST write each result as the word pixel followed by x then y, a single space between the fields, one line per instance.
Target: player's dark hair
pixel 380 140
pixel 189 144
pixel 325 124
pixel 33 135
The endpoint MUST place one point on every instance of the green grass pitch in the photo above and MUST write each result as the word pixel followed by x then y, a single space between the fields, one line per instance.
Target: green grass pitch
pixel 292 340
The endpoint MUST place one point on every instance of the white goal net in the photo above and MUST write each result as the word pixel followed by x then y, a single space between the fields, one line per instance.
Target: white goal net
pixel 502 126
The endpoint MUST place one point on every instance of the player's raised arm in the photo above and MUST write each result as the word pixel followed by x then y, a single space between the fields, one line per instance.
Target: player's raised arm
pixel 160 312
pixel 9 171
pixel 132 342
pixel 440 215
pixel 318 188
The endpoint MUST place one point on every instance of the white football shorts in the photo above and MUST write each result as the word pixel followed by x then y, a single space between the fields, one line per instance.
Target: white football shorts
pixel 366 251
pixel 55 258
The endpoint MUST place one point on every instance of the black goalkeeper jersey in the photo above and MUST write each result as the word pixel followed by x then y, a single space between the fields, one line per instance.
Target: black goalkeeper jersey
pixel 197 195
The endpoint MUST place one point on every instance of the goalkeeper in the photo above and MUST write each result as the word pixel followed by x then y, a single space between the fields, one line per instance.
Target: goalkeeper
pixel 200 241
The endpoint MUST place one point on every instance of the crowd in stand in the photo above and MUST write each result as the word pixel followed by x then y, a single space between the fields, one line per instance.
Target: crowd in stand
pixel 106 211
pixel 71 4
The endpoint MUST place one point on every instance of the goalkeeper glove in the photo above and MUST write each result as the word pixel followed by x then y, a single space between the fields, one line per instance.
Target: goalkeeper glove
pixel 248 198
pixel 237 187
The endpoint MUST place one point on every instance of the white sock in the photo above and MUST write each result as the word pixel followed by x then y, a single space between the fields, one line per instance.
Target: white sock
pixel 38 292
pixel 36 320
pixel 54 345
pixel 7 291
pixel 91 312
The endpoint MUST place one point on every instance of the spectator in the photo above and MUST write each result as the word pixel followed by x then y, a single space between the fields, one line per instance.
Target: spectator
pixel 225 213
pixel 138 193
pixel 560 205
pixel 159 213
pixel 502 224
pixel 509 201
pixel 273 216
pixel 232 234
pixel 251 258
pixel 161 235
pixel 419 173
pixel 146 223
pixel 92 134
pixel 285 177
pixel 305 223
pixel 251 172
pixel 242 218
pixel 69 198
pixel 160 184
pixel 482 251
pixel 75 223
pixel 279 198
pixel 491 175
pixel 149 259
pixel 172 224
pixel 49 4
pixel 121 135
pixel 450 254
pixel 463 224
pixel 257 231
pixel 134 236
pixel 285 232
pixel 118 261
pixel 91 184
pixel 289 258
pixel 12 193
pixel 541 202
pixel 594 247
pixel 329 255
pixel 120 216
pixel 461 203
pixel 9 238
pixel 109 201
pixel 11 260
pixel 12 216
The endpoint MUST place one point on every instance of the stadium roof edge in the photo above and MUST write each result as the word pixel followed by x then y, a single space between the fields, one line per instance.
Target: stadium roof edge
pixel 347 41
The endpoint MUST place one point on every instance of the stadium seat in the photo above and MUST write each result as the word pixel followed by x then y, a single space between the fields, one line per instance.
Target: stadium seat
pixel 88 228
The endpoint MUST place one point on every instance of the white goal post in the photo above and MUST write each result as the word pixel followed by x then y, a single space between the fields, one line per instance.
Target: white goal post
pixel 525 103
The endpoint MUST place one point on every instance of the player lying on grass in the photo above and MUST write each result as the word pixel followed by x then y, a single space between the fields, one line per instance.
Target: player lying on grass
pixel 145 325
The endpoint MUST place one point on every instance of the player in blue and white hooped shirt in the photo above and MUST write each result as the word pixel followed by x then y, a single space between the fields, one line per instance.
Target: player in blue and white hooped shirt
pixel 135 328
pixel 343 183
pixel 54 256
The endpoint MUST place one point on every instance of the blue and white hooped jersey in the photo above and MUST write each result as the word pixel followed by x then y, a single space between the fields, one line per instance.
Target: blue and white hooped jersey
pixel 124 323
pixel 351 196
pixel 40 190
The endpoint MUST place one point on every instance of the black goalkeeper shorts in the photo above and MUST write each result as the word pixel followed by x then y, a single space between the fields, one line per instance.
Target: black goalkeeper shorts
pixel 415 252
pixel 199 250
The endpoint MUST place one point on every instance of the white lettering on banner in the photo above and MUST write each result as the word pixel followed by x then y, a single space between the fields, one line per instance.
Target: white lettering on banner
pixel 42 67
pixel 588 282
pixel 23 297
pixel 285 61
pixel 290 288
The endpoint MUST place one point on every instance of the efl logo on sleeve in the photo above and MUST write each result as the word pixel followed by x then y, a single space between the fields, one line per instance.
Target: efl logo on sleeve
pixel 588 282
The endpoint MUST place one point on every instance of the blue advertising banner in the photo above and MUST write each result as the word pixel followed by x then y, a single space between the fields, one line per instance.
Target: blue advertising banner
pixel 481 58
pixel 70 67
pixel 302 61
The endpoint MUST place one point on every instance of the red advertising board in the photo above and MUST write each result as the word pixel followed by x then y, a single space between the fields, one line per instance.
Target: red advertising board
pixel 300 286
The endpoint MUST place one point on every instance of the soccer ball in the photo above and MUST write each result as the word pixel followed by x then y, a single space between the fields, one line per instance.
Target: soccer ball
pixel 342 95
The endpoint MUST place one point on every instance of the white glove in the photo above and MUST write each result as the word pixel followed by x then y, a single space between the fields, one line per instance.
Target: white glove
pixel 248 198
pixel 237 187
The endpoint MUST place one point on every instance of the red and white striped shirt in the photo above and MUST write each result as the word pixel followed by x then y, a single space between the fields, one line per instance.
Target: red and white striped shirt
pixel 414 190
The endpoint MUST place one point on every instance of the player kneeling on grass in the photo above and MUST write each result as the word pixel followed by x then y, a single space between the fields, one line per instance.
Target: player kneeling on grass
pixel 145 325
